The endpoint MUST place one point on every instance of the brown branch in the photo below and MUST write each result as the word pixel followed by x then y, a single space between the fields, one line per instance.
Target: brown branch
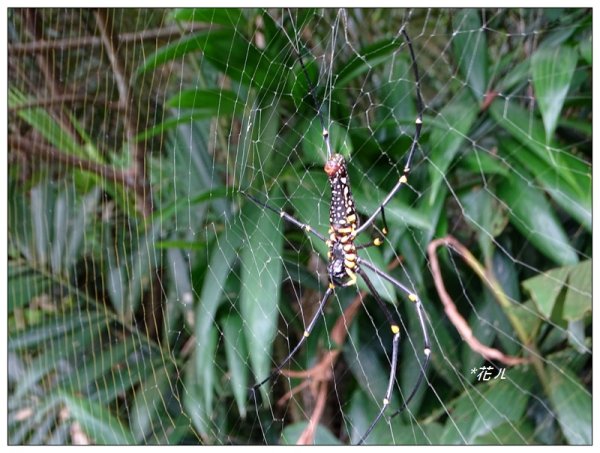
pixel 111 43
pixel 450 307
pixel 53 155
pixel 308 435
pixel 66 99
pixel 32 23
pixel 41 45
pixel 318 376
pixel 138 157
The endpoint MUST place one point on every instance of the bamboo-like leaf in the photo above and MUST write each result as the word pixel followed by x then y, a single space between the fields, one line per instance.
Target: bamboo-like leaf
pixel 530 213
pixel 210 102
pixel 572 404
pixel 222 261
pixel 470 46
pixel 475 415
pixel 213 16
pixel 457 117
pixel 98 422
pixel 261 281
pixel 237 353
pixel 369 57
pixel 552 70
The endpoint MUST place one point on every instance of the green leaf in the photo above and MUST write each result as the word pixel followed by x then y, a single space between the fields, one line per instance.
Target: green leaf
pixel 470 46
pixel 485 213
pixel 529 131
pixel 98 422
pixel 557 181
pixel 23 288
pixel 363 411
pixel 179 48
pixel 300 82
pixel 45 124
pixel 51 329
pixel 237 354
pixel 237 58
pixel 194 201
pixel 572 404
pixel 212 16
pixel 476 414
pixel 100 361
pixel 398 213
pixel 521 432
pixel 370 370
pixel 552 71
pixel 578 299
pixel 147 401
pixel 209 102
pixel 528 317
pixel 482 161
pixel 368 57
pixel 313 144
pixel 545 288
pixel 585 49
pixel 576 280
pixel 533 216
pixel 222 260
pixel 322 436
pixel 194 400
pixel 456 119
pixel 261 281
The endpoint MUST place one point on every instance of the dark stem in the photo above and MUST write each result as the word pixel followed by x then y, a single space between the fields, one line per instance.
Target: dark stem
pixel 41 45
pixel 138 155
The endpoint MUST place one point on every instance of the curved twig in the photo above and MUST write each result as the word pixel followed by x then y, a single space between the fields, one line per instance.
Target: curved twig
pixel 450 307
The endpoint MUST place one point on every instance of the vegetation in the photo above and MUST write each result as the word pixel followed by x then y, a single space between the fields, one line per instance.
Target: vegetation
pixel 146 294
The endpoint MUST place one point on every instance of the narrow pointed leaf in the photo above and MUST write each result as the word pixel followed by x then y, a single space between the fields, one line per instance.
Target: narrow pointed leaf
pixel 470 46
pixel 261 281
pixel 533 216
pixel 98 422
pixel 552 70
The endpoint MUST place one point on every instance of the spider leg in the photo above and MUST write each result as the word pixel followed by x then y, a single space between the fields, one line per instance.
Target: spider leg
pixel 375 241
pixel 307 332
pixel 415 141
pixel 395 341
pixel 284 215
pixel 421 315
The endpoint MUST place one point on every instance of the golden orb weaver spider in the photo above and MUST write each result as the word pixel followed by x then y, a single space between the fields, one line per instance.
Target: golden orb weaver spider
pixel 344 265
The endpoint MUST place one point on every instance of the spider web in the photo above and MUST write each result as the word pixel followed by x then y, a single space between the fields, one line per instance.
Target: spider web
pixel 147 294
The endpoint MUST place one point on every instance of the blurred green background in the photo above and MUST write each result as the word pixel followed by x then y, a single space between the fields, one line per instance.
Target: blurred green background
pixel 146 295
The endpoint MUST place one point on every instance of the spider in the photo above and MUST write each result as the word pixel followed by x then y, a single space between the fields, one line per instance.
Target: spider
pixel 344 265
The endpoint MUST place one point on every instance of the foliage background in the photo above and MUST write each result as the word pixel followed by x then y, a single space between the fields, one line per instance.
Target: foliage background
pixel 145 294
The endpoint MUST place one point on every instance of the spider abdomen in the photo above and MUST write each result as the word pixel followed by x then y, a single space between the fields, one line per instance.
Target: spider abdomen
pixel 343 222
pixel 342 212
pixel 342 266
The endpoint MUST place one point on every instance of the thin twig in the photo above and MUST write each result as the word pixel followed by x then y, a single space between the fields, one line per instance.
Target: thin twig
pixel 41 45
pixel 138 156
pixel 308 435
pixel 318 376
pixel 33 26
pixel 66 99
pixel 53 155
pixel 450 307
